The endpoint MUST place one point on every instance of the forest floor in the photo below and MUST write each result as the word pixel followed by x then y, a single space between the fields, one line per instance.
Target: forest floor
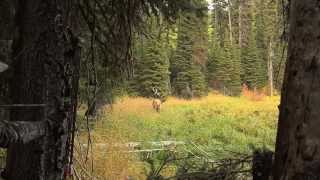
pixel 216 122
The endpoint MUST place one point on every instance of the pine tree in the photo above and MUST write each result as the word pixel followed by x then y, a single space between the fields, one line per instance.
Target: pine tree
pixel 198 81
pixel 262 43
pixel 152 68
pixel 224 63
pixel 227 63
pixel 182 60
pixel 215 51
pixel 188 66
pixel 213 66
pixel 235 83
pixel 200 51
pixel 252 62
pixel 275 25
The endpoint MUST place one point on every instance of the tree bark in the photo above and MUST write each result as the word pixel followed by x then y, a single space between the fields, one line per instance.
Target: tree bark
pixel 4 76
pixel 298 139
pixel 45 53
pixel 270 68
pixel 6 19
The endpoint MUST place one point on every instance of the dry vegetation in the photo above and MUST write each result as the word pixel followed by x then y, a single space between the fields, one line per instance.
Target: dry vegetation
pixel 233 123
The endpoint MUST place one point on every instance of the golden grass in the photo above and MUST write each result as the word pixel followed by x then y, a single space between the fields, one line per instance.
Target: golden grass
pixel 254 95
pixel 137 105
pixel 116 126
pixel 106 159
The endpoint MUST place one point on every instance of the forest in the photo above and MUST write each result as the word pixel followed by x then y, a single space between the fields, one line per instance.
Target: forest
pixel 159 90
pixel 218 45
pixel 234 44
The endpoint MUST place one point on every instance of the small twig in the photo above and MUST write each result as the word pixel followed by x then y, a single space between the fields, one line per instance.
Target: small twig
pixel 76 173
pixel 83 169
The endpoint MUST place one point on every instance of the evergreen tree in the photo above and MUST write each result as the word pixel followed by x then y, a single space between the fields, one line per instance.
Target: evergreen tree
pixel 198 80
pixel 200 50
pixel 188 66
pixel 214 66
pixel 235 83
pixel 227 65
pixel 215 50
pixel 152 66
pixel 252 63
pixel 276 28
pixel 224 63
pixel 262 37
pixel 182 60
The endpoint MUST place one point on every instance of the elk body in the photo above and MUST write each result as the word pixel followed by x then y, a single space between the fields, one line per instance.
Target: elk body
pixel 156 102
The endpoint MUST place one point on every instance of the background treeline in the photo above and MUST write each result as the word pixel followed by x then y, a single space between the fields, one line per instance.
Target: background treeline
pixel 220 45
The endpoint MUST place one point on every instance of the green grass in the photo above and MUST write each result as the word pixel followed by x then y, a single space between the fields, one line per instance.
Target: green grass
pixel 217 125
pixel 234 123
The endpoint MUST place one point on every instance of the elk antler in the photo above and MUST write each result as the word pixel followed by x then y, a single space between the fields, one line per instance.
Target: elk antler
pixel 155 91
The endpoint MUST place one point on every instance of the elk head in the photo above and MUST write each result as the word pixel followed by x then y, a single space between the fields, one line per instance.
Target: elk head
pixel 156 102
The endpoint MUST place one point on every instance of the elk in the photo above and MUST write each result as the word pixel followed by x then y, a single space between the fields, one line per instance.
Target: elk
pixel 156 102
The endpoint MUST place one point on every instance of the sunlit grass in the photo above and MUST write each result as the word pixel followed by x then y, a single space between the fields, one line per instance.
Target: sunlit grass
pixel 106 158
pixel 236 123
pixel 230 120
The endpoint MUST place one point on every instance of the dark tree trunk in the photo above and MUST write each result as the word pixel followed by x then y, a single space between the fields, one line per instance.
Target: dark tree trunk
pixel 45 54
pixel 4 76
pixel 262 164
pixel 6 29
pixel 298 140
pixel 6 19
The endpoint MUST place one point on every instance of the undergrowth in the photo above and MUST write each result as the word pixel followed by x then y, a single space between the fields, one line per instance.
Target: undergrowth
pixel 219 125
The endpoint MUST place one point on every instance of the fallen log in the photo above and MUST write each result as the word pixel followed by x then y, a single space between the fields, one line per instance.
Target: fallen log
pixel 137 145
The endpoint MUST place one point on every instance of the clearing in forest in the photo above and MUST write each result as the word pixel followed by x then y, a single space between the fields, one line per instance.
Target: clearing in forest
pixel 215 123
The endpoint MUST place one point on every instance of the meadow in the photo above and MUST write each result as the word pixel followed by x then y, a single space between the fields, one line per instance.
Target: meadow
pixel 216 124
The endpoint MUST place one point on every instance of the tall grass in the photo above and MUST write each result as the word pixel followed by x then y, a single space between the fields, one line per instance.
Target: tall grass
pixel 216 118
pixel 214 122
pixel 105 158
